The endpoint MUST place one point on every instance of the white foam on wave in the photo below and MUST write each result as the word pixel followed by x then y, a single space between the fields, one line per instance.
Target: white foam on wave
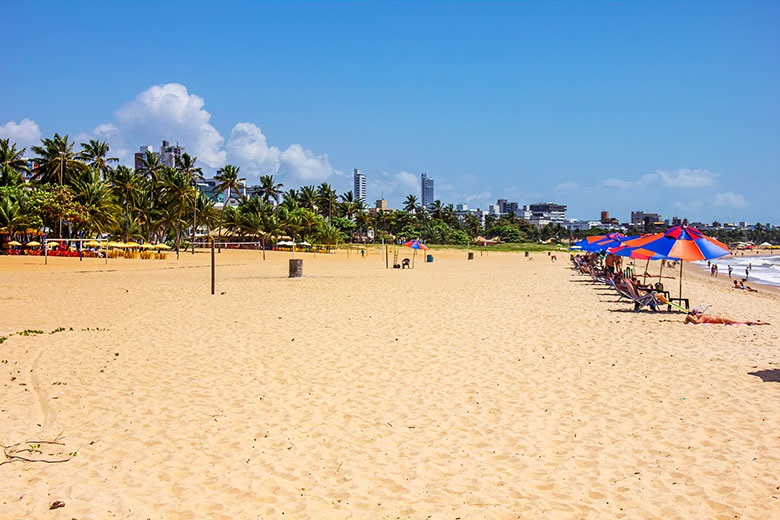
pixel 763 269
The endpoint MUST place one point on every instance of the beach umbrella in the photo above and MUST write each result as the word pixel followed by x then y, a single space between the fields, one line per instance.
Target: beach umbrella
pixel 683 243
pixel 52 243
pixel 588 240
pixel 605 242
pixel 415 245
pixel 14 243
pixel 163 246
pixel 33 244
pixel 638 253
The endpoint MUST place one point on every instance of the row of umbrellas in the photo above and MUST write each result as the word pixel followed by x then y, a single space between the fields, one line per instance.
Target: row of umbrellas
pixel 679 243
pixel 93 243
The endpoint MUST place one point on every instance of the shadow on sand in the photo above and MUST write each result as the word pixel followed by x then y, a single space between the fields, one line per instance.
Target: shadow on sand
pixel 767 376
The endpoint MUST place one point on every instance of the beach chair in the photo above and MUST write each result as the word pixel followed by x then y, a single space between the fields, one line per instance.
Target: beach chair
pixel 648 299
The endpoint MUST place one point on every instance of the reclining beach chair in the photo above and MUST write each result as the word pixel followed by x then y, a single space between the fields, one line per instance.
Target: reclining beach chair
pixel 648 299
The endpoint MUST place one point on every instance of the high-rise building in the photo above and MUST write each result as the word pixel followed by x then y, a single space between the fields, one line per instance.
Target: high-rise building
pixel 547 210
pixel 359 190
pixel 427 191
pixel 167 154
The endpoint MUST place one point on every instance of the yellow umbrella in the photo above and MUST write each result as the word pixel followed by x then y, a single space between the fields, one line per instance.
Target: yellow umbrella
pixel 33 244
pixel 92 243
pixel 163 246
pixel 146 245
pixel 14 243
pixel 132 244
pixel 116 244
pixel 52 244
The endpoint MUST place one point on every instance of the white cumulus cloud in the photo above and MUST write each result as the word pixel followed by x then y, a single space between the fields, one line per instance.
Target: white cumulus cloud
pixel 248 148
pixel 170 112
pixel 304 165
pixel 730 199
pixel 25 134
pixel 685 178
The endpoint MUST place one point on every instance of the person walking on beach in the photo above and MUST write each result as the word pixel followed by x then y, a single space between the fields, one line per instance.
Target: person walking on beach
pixel 747 273
pixel 730 269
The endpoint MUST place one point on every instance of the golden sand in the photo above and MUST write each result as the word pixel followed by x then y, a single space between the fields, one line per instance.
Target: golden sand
pixel 503 387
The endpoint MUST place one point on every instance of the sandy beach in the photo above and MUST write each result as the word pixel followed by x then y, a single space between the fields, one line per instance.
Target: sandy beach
pixel 501 387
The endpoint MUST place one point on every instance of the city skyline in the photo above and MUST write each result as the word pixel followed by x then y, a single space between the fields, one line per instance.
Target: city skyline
pixel 664 107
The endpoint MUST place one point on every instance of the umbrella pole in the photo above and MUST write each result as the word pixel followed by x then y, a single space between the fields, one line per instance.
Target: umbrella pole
pixel 647 265
pixel 661 271
pixel 681 264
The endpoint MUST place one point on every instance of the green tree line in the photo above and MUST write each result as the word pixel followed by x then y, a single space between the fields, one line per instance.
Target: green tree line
pixel 84 192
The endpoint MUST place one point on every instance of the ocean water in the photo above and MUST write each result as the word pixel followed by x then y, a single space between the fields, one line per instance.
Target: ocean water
pixel 765 268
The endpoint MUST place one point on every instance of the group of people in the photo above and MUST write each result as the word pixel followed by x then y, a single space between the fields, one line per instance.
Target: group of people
pixel 650 295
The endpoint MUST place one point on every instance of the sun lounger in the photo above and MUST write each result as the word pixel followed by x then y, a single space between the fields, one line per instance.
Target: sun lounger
pixel 628 290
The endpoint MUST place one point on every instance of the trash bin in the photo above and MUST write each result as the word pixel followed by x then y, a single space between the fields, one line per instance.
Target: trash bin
pixel 526 253
pixel 471 256
pixel 296 268
pixel 429 258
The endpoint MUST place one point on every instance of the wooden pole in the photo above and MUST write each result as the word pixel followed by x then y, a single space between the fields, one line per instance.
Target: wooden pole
pixel 681 263
pixel 213 268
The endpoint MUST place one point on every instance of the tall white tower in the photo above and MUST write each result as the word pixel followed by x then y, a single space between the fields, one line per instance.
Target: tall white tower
pixel 359 190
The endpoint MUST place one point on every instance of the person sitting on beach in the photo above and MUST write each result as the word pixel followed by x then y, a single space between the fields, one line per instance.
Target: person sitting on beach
pixel 698 318
pixel 742 286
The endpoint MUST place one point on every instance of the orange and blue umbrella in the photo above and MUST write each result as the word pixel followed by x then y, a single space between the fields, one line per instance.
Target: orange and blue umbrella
pixel 679 243
pixel 606 242
pixel 416 244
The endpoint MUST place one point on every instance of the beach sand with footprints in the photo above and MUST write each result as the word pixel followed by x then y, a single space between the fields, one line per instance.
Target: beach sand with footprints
pixel 500 387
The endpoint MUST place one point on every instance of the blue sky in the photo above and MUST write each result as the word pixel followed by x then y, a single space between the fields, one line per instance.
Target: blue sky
pixel 668 107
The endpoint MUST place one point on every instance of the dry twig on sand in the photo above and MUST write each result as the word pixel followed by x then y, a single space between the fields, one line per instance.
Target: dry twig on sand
pixel 30 451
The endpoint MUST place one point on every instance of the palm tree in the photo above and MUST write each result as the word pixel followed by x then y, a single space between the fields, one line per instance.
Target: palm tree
pixel 57 162
pixel 307 197
pixel 328 234
pixel 269 190
pixel 310 222
pixel 100 210
pixel 290 200
pixel 363 220
pixel 13 217
pixel 436 209
pixel 449 216
pixel 13 165
pixel 327 199
pixel 410 204
pixel 94 154
pixel 178 194
pixel 186 164
pixel 227 179
pixel 127 187
pixel 151 167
